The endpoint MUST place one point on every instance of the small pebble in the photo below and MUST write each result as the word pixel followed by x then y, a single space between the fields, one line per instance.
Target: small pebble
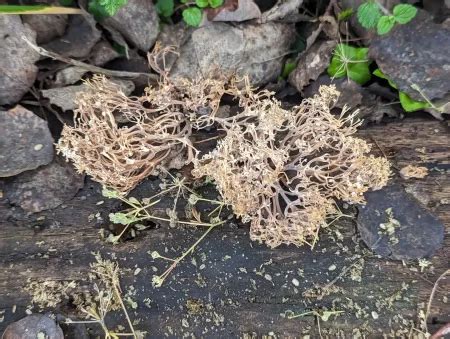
pixel 38 147
pixel 332 268
pixel 295 282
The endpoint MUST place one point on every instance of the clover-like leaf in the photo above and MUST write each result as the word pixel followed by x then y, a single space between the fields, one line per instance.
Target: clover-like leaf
pixel 385 24
pixel 192 16
pixel 215 3
pixel 404 13
pixel 202 3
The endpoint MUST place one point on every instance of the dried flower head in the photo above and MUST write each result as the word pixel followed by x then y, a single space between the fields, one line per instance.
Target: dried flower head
pixel 282 170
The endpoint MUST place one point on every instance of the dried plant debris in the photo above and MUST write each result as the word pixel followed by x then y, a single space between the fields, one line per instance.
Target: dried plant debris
pixel 279 169
pixel 283 170
pixel 412 171
pixel 121 156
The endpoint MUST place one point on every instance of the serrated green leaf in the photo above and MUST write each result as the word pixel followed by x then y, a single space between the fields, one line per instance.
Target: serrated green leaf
pixel 215 3
pixel 112 6
pixel 202 3
pixel 411 105
pixel 165 8
pixel 369 13
pixel 404 13
pixel 345 14
pixel 385 24
pixel 97 10
pixel 192 16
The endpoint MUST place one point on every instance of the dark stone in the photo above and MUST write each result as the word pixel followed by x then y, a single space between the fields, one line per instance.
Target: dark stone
pixel 17 69
pixel 138 22
pixel 25 142
pixel 47 27
pixel 80 37
pixel 416 232
pixel 32 326
pixel 416 53
pixel 44 188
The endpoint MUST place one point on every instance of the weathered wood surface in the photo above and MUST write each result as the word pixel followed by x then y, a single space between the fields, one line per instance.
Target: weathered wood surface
pixel 244 287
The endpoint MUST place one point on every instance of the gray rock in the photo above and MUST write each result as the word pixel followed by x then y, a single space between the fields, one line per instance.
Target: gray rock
pixel 311 64
pixel 44 188
pixel 138 22
pixel 31 326
pixel 102 53
pixel 64 97
pixel 394 224
pixel 245 49
pixel 78 40
pixel 47 27
pixel 242 10
pixel 25 142
pixel 17 69
pixel 69 76
pixel 416 53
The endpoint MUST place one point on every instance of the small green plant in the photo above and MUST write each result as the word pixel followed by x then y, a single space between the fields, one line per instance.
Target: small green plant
pixel 192 12
pixel 139 211
pixel 408 104
pixel 371 14
pixel 102 9
pixel 351 62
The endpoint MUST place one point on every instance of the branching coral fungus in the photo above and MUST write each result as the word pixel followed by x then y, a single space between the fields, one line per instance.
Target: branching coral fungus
pixel 282 170
pixel 120 156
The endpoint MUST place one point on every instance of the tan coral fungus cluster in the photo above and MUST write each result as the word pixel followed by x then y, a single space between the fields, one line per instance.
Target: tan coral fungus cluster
pixel 122 156
pixel 282 170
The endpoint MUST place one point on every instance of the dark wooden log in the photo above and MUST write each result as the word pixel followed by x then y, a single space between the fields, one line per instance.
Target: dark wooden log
pixel 242 288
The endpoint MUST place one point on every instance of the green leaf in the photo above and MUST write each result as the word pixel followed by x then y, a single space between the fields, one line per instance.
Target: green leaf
pixel 350 61
pixel 369 13
pixel 411 105
pixel 97 10
pixel 381 75
pixel 192 16
pixel 288 67
pixel 345 14
pixel 215 3
pixel 112 6
pixel 404 13
pixel 202 3
pixel 385 24
pixel 359 72
pixel 121 218
pixel 165 8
